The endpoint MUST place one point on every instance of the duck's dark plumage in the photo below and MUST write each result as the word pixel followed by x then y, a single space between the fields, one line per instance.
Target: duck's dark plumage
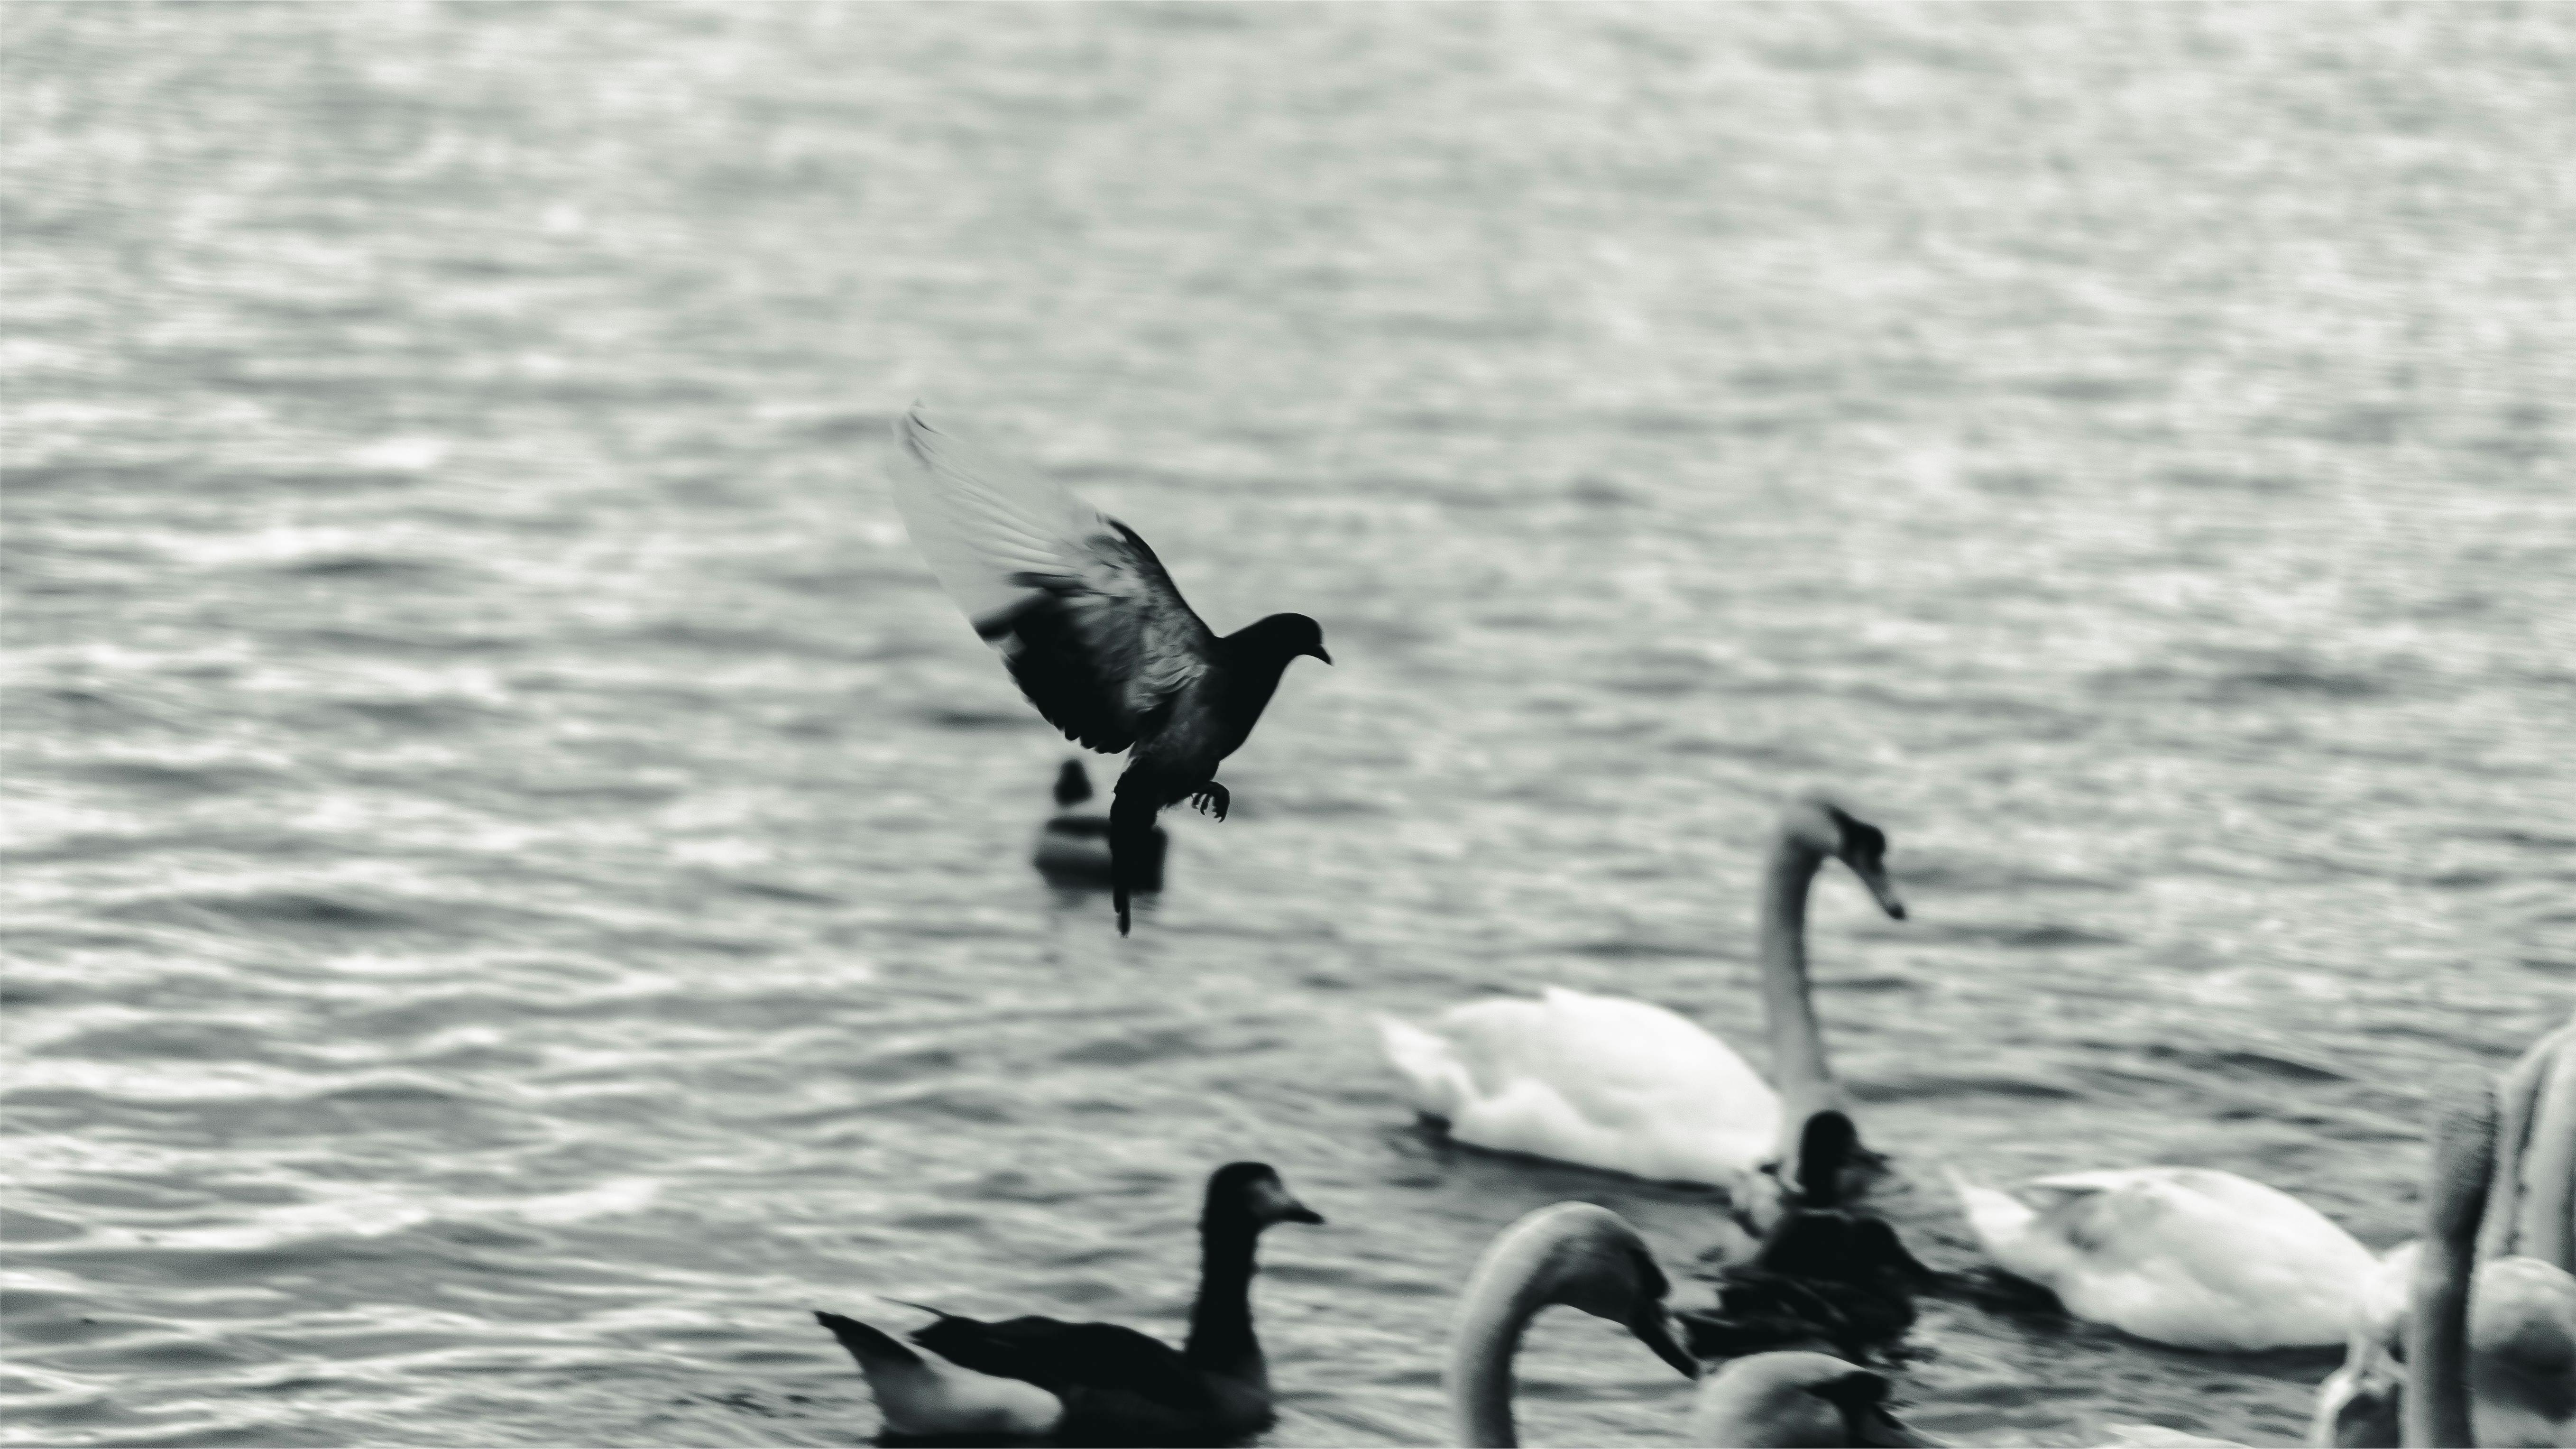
pixel 1091 626
pixel 1827 1275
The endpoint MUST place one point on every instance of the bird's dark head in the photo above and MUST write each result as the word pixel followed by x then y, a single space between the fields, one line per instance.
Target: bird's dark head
pixel 1251 1193
pixel 1072 785
pixel 1818 822
pixel 1286 637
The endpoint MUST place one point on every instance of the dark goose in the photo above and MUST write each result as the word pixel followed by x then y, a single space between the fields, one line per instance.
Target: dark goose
pixel 965 1380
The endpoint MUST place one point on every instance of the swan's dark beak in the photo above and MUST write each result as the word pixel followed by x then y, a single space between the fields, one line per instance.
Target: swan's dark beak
pixel 1874 876
pixel 1654 1328
pixel 1298 1212
pixel 1319 653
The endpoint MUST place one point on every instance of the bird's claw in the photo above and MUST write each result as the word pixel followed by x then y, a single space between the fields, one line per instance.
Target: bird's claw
pixel 1212 800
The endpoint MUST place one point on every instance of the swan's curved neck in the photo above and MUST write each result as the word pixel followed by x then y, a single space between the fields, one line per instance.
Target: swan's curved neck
pixel 1481 1350
pixel 2548 1226
pixel 1797 1047
pixel 2435 1410
pixel 1512 1284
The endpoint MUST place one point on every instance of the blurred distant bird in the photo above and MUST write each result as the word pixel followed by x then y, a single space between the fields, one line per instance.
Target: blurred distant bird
pixel 1073 846
pixel 1093 629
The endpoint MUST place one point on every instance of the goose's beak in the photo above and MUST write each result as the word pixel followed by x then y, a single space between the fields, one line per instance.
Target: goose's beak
pixel 1882 889
pixel 1654 1328
pixel 1298 1212
pixel 1320 653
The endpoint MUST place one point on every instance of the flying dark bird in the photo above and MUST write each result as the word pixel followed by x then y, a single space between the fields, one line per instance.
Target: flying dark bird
pixel 1093 629
pixel 1045 1380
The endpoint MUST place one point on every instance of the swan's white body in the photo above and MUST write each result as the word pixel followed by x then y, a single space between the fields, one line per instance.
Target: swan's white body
pixel 1598 1080
pixel 2188 1256
pixel 1632 1087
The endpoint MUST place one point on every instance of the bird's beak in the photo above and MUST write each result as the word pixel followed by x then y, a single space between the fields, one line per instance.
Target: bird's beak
pixel 1319 653
pixel 1874 876
pixel 1298 1212
pixel 1654 1328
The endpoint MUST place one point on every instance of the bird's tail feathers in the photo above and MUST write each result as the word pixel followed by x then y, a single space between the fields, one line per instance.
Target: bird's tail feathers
pixel 876 1350
pixel 922 1395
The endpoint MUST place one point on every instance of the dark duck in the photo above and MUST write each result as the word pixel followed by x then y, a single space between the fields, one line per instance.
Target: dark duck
pixel 1827 1276
pixel 1073 846
pixel 1042 1380
pixel 1093 629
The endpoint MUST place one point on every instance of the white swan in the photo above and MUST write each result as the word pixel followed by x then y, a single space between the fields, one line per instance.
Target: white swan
pixel 1620 1084
pixel 2188 1256
pixel 2521 1351
pixel 1589 1258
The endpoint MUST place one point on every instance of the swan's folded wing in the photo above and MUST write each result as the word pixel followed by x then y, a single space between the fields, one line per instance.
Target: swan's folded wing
pixel 1086 618
pixel 2114 1217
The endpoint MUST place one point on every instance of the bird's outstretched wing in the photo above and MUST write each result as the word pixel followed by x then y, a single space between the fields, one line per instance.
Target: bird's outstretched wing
pixel 1085 617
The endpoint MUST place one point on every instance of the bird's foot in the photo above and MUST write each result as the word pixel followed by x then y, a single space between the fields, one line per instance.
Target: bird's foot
pixel 1212 799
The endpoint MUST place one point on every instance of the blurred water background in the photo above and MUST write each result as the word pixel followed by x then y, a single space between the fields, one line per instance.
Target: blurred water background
pixel 516 879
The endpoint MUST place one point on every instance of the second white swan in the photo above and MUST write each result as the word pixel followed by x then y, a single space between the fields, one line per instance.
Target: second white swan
pixel 1615 1083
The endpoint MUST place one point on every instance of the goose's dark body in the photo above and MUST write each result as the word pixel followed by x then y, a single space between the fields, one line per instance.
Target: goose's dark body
pixel 1093 630
pixel 1119 1386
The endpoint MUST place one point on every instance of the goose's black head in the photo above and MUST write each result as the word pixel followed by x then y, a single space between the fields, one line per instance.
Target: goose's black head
pixel 1282 637
pixel 1250 1195
pixel 1818 822
pixel 1072 785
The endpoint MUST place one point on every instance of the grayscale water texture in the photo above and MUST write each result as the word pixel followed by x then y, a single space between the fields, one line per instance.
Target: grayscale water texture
pixel 515 879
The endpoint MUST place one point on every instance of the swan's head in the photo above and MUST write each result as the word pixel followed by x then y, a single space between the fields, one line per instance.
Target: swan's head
pixel 1251 1194
pixel 1815 821
pixel 1585 1257
pixel 1072 785
pixel 1796 1398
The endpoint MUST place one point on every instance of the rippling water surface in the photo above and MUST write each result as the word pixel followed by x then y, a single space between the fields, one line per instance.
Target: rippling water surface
pixel 516 880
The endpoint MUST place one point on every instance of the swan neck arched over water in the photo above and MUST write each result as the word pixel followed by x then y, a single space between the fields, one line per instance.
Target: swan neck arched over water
pixel 2436 1409
pixel 1575 1254
pixel 1798 1067
pixel 2532 1212
pixel 1812 830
